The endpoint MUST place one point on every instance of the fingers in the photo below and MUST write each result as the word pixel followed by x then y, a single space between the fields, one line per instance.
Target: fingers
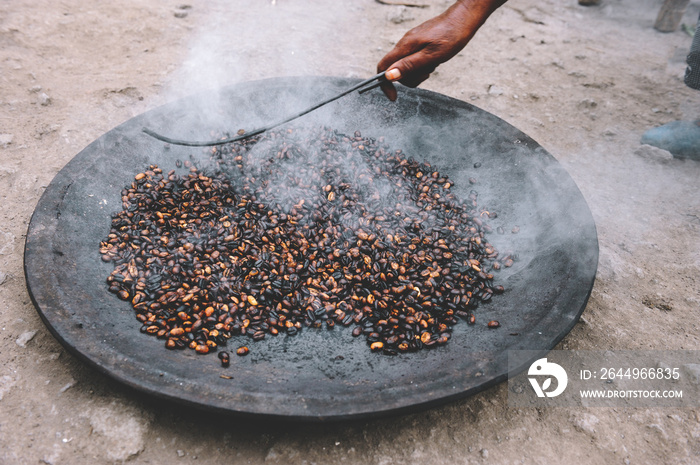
pixel 410 69
pixel 415 78
pixel 401 50
pixel 415 81
pixel 412 65
pixel 389 90
pixel 389 59
pixel 393 74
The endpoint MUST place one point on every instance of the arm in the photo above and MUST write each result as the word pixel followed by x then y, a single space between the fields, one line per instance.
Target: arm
pixel 435 41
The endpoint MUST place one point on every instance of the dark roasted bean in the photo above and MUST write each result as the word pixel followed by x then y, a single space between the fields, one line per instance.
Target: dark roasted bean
pixel 242 351
pixel 225 359
pixel 360 235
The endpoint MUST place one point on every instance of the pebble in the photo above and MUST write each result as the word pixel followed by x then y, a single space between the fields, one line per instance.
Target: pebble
pixel 6 383
pixel 651 153
pixel 24 338
pixel 586 423
pixel 693 372
pixel 5 140
pixel 660 429
pixel 400 15
pixel 3 277
pixel 587 103
pixel 493 90
pixel 68 385
pixel 44 100
pixel 181 11
pixel 122 429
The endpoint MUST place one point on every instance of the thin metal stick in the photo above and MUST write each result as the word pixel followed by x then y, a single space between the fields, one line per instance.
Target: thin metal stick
pixel 368 88
pixel 188 143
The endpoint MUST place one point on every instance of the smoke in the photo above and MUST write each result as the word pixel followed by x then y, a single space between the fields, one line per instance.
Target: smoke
pixel 236 42
pixel 247 41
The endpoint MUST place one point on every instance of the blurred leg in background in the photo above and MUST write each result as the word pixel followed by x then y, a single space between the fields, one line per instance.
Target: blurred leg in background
pixel 681 138
pixel 692 73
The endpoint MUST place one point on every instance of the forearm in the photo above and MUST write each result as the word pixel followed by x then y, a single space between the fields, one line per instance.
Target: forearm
pixel 482 8
pixel 470 15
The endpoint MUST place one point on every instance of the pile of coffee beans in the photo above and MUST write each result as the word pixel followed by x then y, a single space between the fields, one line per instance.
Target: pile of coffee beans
pixel 295 229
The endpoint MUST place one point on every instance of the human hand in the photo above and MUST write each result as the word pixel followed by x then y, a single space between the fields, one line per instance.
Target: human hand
pixel 434 42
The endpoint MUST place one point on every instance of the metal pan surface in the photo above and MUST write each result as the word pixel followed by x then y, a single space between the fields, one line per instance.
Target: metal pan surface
pixel 320 375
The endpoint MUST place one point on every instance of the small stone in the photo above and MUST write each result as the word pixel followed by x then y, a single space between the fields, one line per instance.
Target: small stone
pixel 557 64
pixel 49 459
pixel 24 338
pixel 35 89
pixel 587 103
pixel 485 453
pixel 586 423
pixel 400 15
pixel 3 277
pixel 67 386
pixel 6 383
pixel 693 372
pixel 493 90
pixel 180 14
pixel 180 453
pixel 651 153
pixel 46 130
pixel 660 429
pixel 5 140
pixel 536 122
pixel 44 100
pixel 121 429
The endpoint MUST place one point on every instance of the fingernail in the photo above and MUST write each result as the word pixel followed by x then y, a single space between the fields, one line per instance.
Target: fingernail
pixel 393 74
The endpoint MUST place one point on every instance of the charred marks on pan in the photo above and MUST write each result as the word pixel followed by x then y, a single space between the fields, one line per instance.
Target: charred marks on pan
pixel 355 235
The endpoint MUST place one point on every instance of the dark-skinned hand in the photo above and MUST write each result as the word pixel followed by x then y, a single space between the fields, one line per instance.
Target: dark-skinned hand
pixel 433 42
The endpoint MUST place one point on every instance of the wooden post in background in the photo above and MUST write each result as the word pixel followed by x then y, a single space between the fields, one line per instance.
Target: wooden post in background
pixel 670 15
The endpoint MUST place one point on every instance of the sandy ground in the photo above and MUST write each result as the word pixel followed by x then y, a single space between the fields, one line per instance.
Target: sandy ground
pixel 584 82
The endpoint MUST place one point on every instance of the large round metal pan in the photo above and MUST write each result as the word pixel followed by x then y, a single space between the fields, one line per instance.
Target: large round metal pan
pixel 320 374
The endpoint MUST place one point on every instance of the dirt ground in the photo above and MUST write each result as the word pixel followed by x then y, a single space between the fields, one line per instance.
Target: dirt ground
pixel 585 82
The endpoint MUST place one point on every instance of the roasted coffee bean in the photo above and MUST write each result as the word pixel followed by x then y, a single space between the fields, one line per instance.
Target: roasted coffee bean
pixel 313 228
pixel 242 351
pixel 225 359
pixel 377 345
